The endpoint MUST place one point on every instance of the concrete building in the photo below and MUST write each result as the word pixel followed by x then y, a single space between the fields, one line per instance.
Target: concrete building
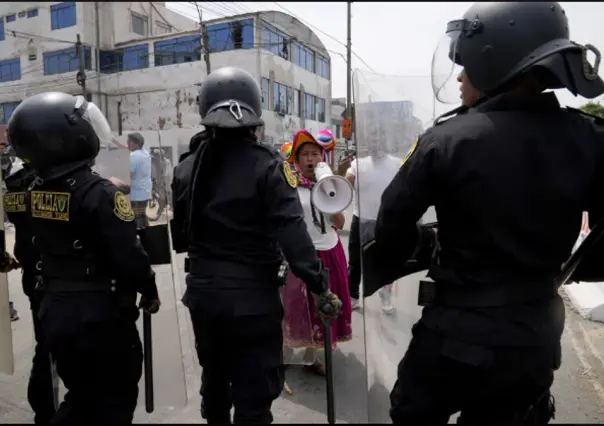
pixel 145 62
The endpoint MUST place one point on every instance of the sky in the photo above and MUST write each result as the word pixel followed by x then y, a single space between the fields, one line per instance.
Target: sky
pixel 394 40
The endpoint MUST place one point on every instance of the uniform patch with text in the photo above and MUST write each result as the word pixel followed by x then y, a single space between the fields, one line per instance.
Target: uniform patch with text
pixel 50 205
pixel 14 202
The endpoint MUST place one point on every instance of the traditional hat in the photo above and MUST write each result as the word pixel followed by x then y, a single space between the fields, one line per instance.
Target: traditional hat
pixel 302 137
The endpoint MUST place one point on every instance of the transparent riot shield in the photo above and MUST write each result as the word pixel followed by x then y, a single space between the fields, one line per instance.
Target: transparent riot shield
pixel 390 112
pixel 6 335
pixel 165 369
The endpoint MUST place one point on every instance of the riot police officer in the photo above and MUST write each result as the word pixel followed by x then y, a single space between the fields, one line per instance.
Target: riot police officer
pixel 92 264
pixel 40 392
pixel 244 210
pixel 509 179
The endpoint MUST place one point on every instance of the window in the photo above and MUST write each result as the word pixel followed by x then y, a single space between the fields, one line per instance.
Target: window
pixel 178 50
pixel 6 110
pixel 304 58
pixel 32 13
pixel 280 98
pixel 338 131
pixel 62 15
pixel 265 83
pixel 162 28
pixel 309 107
pixel 321 110
pixel 140 24
pixel 296 110
pixel 65 60
pixel 275 41
pixel 10 70
pixel 323 67
pixel 1 29
pixel 11 18
pixel 231 35
pixel 134 57
pixel 109 61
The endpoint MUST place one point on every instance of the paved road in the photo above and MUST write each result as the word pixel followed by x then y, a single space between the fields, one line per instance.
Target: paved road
pixel 579 387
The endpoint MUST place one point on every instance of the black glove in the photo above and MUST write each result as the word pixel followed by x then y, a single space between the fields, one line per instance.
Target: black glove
pixel 150 306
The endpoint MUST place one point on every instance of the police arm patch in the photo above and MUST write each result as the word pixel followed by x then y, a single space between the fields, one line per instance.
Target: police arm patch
pixel 411 151
pixel 14 202
pixel 123 209
pixel 290 177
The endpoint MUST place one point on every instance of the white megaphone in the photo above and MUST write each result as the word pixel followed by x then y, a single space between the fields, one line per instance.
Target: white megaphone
pixel 331 194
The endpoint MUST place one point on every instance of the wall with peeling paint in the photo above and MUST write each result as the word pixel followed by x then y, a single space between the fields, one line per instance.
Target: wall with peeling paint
pixel 163 98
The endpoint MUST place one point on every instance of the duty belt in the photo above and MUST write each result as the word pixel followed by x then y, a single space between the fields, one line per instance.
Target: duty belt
pixel 72 269
pixel 483 296
pixel 260 275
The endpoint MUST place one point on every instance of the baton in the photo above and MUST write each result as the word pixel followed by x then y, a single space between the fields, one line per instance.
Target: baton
pixel 569 267
pixel 331 416
pixel 148 360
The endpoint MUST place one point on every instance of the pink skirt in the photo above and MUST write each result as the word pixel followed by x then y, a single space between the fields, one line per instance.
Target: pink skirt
pixel 302 327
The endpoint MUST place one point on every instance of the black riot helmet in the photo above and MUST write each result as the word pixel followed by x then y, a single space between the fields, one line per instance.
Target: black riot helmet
pixel 230 98
pixel 497 41
pixel 56 133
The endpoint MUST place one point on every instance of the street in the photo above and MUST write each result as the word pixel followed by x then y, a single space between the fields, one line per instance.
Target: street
pixel 579 386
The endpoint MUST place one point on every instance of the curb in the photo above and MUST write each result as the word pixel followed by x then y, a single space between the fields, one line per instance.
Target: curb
pixel 588 299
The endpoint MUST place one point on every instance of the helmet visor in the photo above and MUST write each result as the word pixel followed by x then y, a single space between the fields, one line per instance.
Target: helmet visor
pixel 446 65
pixel 97 120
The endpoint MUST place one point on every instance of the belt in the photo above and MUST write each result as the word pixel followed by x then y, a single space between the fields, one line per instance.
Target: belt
pixel 69 270
pixel 64 286
pixel 225 269
pixel 486 296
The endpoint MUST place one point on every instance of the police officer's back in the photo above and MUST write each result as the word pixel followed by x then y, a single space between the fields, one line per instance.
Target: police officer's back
pixel 509 179
pixel 243 210
pixel 92 263
pixel 40 387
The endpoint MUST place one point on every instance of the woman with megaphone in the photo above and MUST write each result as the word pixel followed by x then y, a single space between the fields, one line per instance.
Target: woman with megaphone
pixel 323 197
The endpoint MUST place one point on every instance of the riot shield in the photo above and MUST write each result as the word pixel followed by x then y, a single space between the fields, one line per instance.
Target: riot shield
pixel 169 388
pixel 390 113
pixel 6 335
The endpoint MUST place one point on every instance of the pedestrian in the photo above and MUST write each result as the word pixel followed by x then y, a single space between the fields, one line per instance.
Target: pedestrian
pixel 40 393
pixel 140 178
pixel 92 264
pixel 243 212
pixel 302 326
pixel 488 341
pixel 377 168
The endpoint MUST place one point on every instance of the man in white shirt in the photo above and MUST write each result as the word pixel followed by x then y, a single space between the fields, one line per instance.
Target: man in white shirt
pixel 377 170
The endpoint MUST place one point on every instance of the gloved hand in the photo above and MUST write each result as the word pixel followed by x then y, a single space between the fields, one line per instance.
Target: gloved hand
pixel 328 305
pixel 150 306
pixel 8 263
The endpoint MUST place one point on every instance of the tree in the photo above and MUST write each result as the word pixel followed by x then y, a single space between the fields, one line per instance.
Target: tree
pixel 593 108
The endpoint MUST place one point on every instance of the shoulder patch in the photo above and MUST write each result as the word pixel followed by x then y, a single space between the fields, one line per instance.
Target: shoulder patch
pixel 411 151
pixel 122 208
pixel 14 202
pixel 290 177
pixel 50 205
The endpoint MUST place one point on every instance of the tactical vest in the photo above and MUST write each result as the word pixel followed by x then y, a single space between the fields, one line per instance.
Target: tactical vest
pixel 60 234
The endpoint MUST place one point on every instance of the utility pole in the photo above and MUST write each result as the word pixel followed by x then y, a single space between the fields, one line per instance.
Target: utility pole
pixel 349 69
pixel 81 75
pixel 204 40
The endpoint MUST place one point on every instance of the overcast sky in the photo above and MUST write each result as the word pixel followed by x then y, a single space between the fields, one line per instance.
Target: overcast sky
pixel 396 39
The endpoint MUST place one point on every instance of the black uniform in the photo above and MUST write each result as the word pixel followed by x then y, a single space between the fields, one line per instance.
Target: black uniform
pixel 180 191
pixel 243 212
pixel 40 388
pixel 509 180
pixel 92 263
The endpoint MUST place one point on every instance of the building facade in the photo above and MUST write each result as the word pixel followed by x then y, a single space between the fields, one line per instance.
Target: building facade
pixel 144 64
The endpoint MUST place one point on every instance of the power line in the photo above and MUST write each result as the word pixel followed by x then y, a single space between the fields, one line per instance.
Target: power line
pixel 324 33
